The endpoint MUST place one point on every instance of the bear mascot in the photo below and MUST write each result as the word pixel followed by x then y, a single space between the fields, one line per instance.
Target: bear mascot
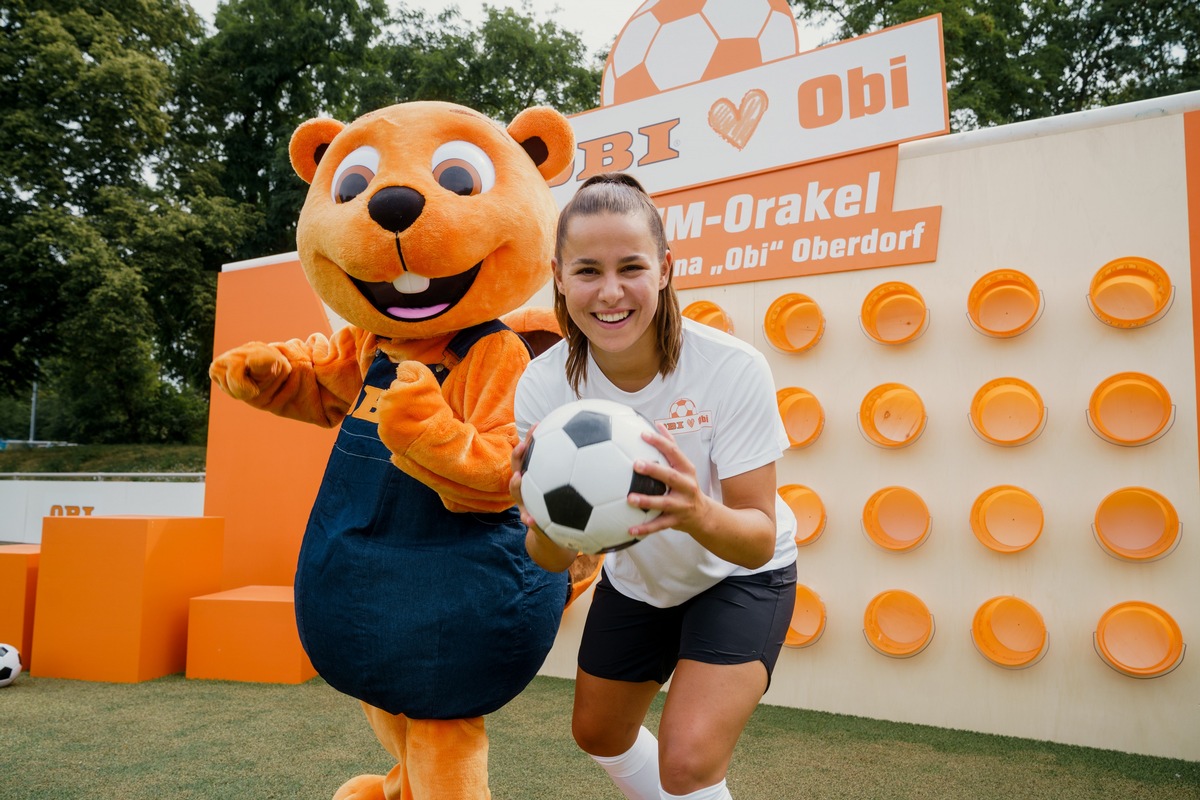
pixel 425 224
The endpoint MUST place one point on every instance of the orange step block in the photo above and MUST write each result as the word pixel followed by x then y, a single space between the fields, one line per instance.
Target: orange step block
pixel 18 588
pixel 246 634
pixel 113 592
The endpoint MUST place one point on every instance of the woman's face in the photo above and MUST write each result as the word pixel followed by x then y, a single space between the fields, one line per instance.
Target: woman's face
pixel 610 277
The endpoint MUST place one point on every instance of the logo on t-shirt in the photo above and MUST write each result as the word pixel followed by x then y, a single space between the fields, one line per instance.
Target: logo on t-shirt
pixel 684 418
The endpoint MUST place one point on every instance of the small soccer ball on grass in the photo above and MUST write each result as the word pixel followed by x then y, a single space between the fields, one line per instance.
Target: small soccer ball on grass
pixel 10 664
pixel 577 475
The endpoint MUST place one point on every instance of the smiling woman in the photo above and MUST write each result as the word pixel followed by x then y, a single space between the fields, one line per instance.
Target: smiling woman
pixel 705 597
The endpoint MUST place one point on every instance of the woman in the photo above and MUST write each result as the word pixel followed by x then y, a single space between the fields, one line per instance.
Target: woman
pixel 705 596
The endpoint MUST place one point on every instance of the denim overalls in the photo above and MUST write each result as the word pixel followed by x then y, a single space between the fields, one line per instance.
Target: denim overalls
pixel 410 607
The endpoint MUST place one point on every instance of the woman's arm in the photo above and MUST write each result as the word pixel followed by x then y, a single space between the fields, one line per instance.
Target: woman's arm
pixel 740 529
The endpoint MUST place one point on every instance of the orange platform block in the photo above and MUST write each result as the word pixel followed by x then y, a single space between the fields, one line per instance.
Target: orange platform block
pixel 247 634
pixel 113 592
pixel 18 588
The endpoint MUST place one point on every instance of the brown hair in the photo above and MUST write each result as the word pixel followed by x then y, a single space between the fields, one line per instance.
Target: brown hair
pixel 617 193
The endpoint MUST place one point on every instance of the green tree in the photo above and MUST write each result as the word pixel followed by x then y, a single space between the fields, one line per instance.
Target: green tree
pixel 1007 62
pixel 510 62
pixel 82 92
pixel 144 152
pixel 270 65
pixel 102 297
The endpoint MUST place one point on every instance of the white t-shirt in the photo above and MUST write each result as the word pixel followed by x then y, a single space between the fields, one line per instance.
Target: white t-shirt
pixel 719 404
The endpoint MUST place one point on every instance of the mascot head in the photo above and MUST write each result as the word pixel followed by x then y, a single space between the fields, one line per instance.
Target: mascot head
pixel 425 218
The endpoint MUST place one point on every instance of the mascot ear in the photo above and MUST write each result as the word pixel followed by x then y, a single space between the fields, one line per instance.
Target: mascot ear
pixel 547 137
pixel 309 143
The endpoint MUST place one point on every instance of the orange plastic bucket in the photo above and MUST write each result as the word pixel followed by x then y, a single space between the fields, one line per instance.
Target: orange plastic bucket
pixel 897 623
pixel 1009 632
pixel 802 415
pixel 892 415
pixel 793 323
pixel 1130 408
pixel 710 314
pixel 1137 524
pixel 809 510
pixel 1007 519
pixel 894 313
pixel 808 618
pixel 1004 303
pixel 1007 412
pixel 1139 640
pixel 1130 292
pixel 896 519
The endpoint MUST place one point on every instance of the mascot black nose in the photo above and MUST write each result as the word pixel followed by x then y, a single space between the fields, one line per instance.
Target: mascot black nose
pixel 394 208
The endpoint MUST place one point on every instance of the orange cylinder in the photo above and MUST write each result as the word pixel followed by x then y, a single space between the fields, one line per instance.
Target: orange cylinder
pixel 802 415
pixel 892 415
pixel 1007 412
pixel 1009 632
pixel 1139 639
pixel 1129 292
pixel 897 623
pixel 710 314
pixel 1004 303
pixel 793 323
pixel 808 618
pixel 896 519
pixel 1137 524
pixel 1006 519
pixel 809 510
pixel 894 313
pixel 1130 408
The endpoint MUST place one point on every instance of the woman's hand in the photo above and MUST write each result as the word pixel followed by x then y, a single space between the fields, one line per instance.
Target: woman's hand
pixel 739 529
pixel 545 553
pixel 684 505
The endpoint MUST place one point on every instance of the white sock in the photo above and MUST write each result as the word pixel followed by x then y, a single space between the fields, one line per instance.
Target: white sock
pixel 635 772
pixel 716 792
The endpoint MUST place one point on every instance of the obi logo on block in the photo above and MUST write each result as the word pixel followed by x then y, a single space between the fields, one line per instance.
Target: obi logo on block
pixel 71 511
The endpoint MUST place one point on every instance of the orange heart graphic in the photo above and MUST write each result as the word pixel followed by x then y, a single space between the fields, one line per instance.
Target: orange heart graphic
pixel 736 125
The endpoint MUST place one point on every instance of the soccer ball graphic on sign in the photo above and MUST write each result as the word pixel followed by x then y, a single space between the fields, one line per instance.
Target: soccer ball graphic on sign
pixel 10 664
pixel 578 471
pixel 671 43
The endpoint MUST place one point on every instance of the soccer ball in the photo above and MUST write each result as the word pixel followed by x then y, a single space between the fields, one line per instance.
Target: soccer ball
pixel 10 664
pixel 671 43
pixel 578 471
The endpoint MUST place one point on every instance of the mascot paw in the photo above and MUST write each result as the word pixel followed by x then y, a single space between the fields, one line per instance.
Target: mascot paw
pixel 414 373
pixel 243 371
pixel 362 787
pixel 411 406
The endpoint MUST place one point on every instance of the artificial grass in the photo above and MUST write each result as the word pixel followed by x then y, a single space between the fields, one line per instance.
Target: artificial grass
pixel 216 740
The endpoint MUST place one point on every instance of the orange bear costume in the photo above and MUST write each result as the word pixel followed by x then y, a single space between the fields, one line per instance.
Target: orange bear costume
pixel 424 224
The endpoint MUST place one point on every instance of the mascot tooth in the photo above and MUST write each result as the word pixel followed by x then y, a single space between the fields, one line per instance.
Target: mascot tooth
pixel 425 224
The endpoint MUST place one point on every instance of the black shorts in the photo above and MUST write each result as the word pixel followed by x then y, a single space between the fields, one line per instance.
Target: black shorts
pixel 741 619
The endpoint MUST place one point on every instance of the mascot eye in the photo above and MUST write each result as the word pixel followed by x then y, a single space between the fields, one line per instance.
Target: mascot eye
pixel 463 168
pixel 354 174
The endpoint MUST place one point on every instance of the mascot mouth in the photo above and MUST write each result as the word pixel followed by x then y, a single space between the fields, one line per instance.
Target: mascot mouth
pixel 413 298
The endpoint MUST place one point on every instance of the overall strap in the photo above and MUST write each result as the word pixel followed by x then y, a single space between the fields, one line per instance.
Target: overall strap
pixel 462 342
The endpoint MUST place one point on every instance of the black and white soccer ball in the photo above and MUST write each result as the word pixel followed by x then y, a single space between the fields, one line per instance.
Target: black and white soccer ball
pixel 10 664
pixel 578 472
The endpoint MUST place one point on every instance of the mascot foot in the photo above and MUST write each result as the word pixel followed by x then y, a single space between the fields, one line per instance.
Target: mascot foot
pixel 363 787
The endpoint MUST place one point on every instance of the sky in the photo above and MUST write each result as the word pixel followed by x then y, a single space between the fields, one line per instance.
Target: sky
pixel 596 21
